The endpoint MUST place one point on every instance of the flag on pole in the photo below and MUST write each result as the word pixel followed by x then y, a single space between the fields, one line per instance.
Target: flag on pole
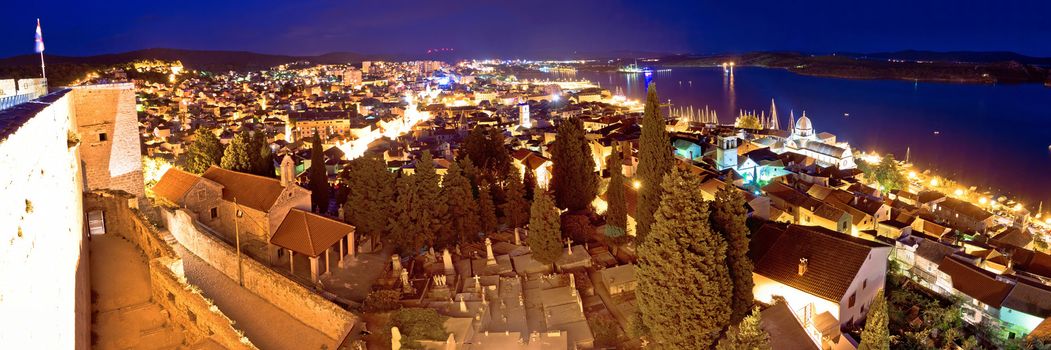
pixel 39 38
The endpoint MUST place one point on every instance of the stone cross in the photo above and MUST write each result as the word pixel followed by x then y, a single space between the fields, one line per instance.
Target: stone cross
pixel 569 246
pixel 518 237
pixel 573 281
pixel 477 282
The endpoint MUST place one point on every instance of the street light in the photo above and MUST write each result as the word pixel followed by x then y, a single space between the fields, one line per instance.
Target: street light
pixel 636 184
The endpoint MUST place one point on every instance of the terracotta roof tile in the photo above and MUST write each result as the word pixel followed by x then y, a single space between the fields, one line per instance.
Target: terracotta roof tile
pixel 253 191
pixel 308 233
pixel 174 184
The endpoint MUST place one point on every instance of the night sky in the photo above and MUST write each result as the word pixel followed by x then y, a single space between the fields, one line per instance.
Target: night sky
pixel 527 28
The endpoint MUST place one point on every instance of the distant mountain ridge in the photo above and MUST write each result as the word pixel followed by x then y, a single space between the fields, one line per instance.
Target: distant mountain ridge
pixel 956 56
pixel 193 59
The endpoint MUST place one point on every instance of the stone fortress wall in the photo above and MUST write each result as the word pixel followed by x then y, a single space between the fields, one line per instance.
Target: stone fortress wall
pixel 197 316
pixel 291 297
pixel 44 294
pixel 109 131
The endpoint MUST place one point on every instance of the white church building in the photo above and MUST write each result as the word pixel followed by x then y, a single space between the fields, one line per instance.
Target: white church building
pixel 825 150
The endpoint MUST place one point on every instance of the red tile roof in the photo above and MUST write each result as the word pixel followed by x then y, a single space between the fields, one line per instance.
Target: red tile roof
pixel 253 191
pixel 174 184
pixel 308 233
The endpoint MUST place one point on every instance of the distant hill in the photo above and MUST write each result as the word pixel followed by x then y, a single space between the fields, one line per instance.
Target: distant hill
pixel 193 59
pixel 879 66
pixel 957 56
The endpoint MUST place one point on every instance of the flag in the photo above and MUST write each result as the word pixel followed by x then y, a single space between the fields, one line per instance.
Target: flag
pixel 39 38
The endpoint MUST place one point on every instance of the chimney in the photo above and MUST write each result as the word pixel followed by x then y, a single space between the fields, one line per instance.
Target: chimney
pixel 802 266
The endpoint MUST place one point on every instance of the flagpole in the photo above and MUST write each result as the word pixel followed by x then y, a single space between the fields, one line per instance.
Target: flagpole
pixel 43 71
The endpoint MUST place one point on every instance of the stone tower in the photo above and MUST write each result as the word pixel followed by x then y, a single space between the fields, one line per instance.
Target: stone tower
pixel 288 171
pixel 109 131
pixel 726 152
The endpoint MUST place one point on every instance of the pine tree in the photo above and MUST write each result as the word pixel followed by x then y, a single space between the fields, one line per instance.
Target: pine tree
pixel 747 335
pixel 655 160
pixel 471 173
pixel 237 156
pixel 573 177
pixel 464 223
pixel 319 186
pixel 204 152
pixel 616 211
pixel 545 232
pixel 486 208
pixel 516 209
pixel 876 336
pixel 684 289
pixel 728 218
pixel 432 209
pixel 370 197
pixel 408 225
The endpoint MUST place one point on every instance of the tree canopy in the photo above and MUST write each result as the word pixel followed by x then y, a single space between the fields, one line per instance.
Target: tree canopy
pixel 887 174
pixel 876 335
pixel 545 233
pixel 684 292
pixel 516 208
pixel 573 178
pixel 370 197
pixel 748 122
pixel 747 335
pixel 728 218
pixel 204 152
pixel 464 223
pixel 616 209
pixel 655 160
pixel 319 186
pixel 238 156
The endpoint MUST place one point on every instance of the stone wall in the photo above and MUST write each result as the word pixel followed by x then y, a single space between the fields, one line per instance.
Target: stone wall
pixel 186 306
pixel 109 131
pixel 287 295
pixel 44 279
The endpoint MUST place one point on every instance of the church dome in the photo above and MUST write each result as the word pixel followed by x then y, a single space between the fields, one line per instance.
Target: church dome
pixel 803 124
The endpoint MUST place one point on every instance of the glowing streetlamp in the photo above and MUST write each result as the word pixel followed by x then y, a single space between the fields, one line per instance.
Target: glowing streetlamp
pixel 636 184
pixel 912 174
pixel 982 200
pixel 934 182
pixel 959 192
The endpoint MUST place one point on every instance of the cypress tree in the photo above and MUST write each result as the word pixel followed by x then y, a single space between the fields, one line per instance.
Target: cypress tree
pixel 747 335
pixel 573 177
pixel 237 156
pixel 462 209
pixel 408 225
pixel 319 186
pixel 370 197
pixel 432 209
pixel 876 336
pixel 471 173
pixel 528 183
pixel 728 218
pixel 655 160
pixel 486 208
pixel 684 286
pixel 516 209
pixel 263 158
pixel 204 152
pixel 545 232
pixel 616 211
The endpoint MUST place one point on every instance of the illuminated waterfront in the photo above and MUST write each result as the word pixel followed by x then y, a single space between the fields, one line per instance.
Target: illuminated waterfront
pixel 987 135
